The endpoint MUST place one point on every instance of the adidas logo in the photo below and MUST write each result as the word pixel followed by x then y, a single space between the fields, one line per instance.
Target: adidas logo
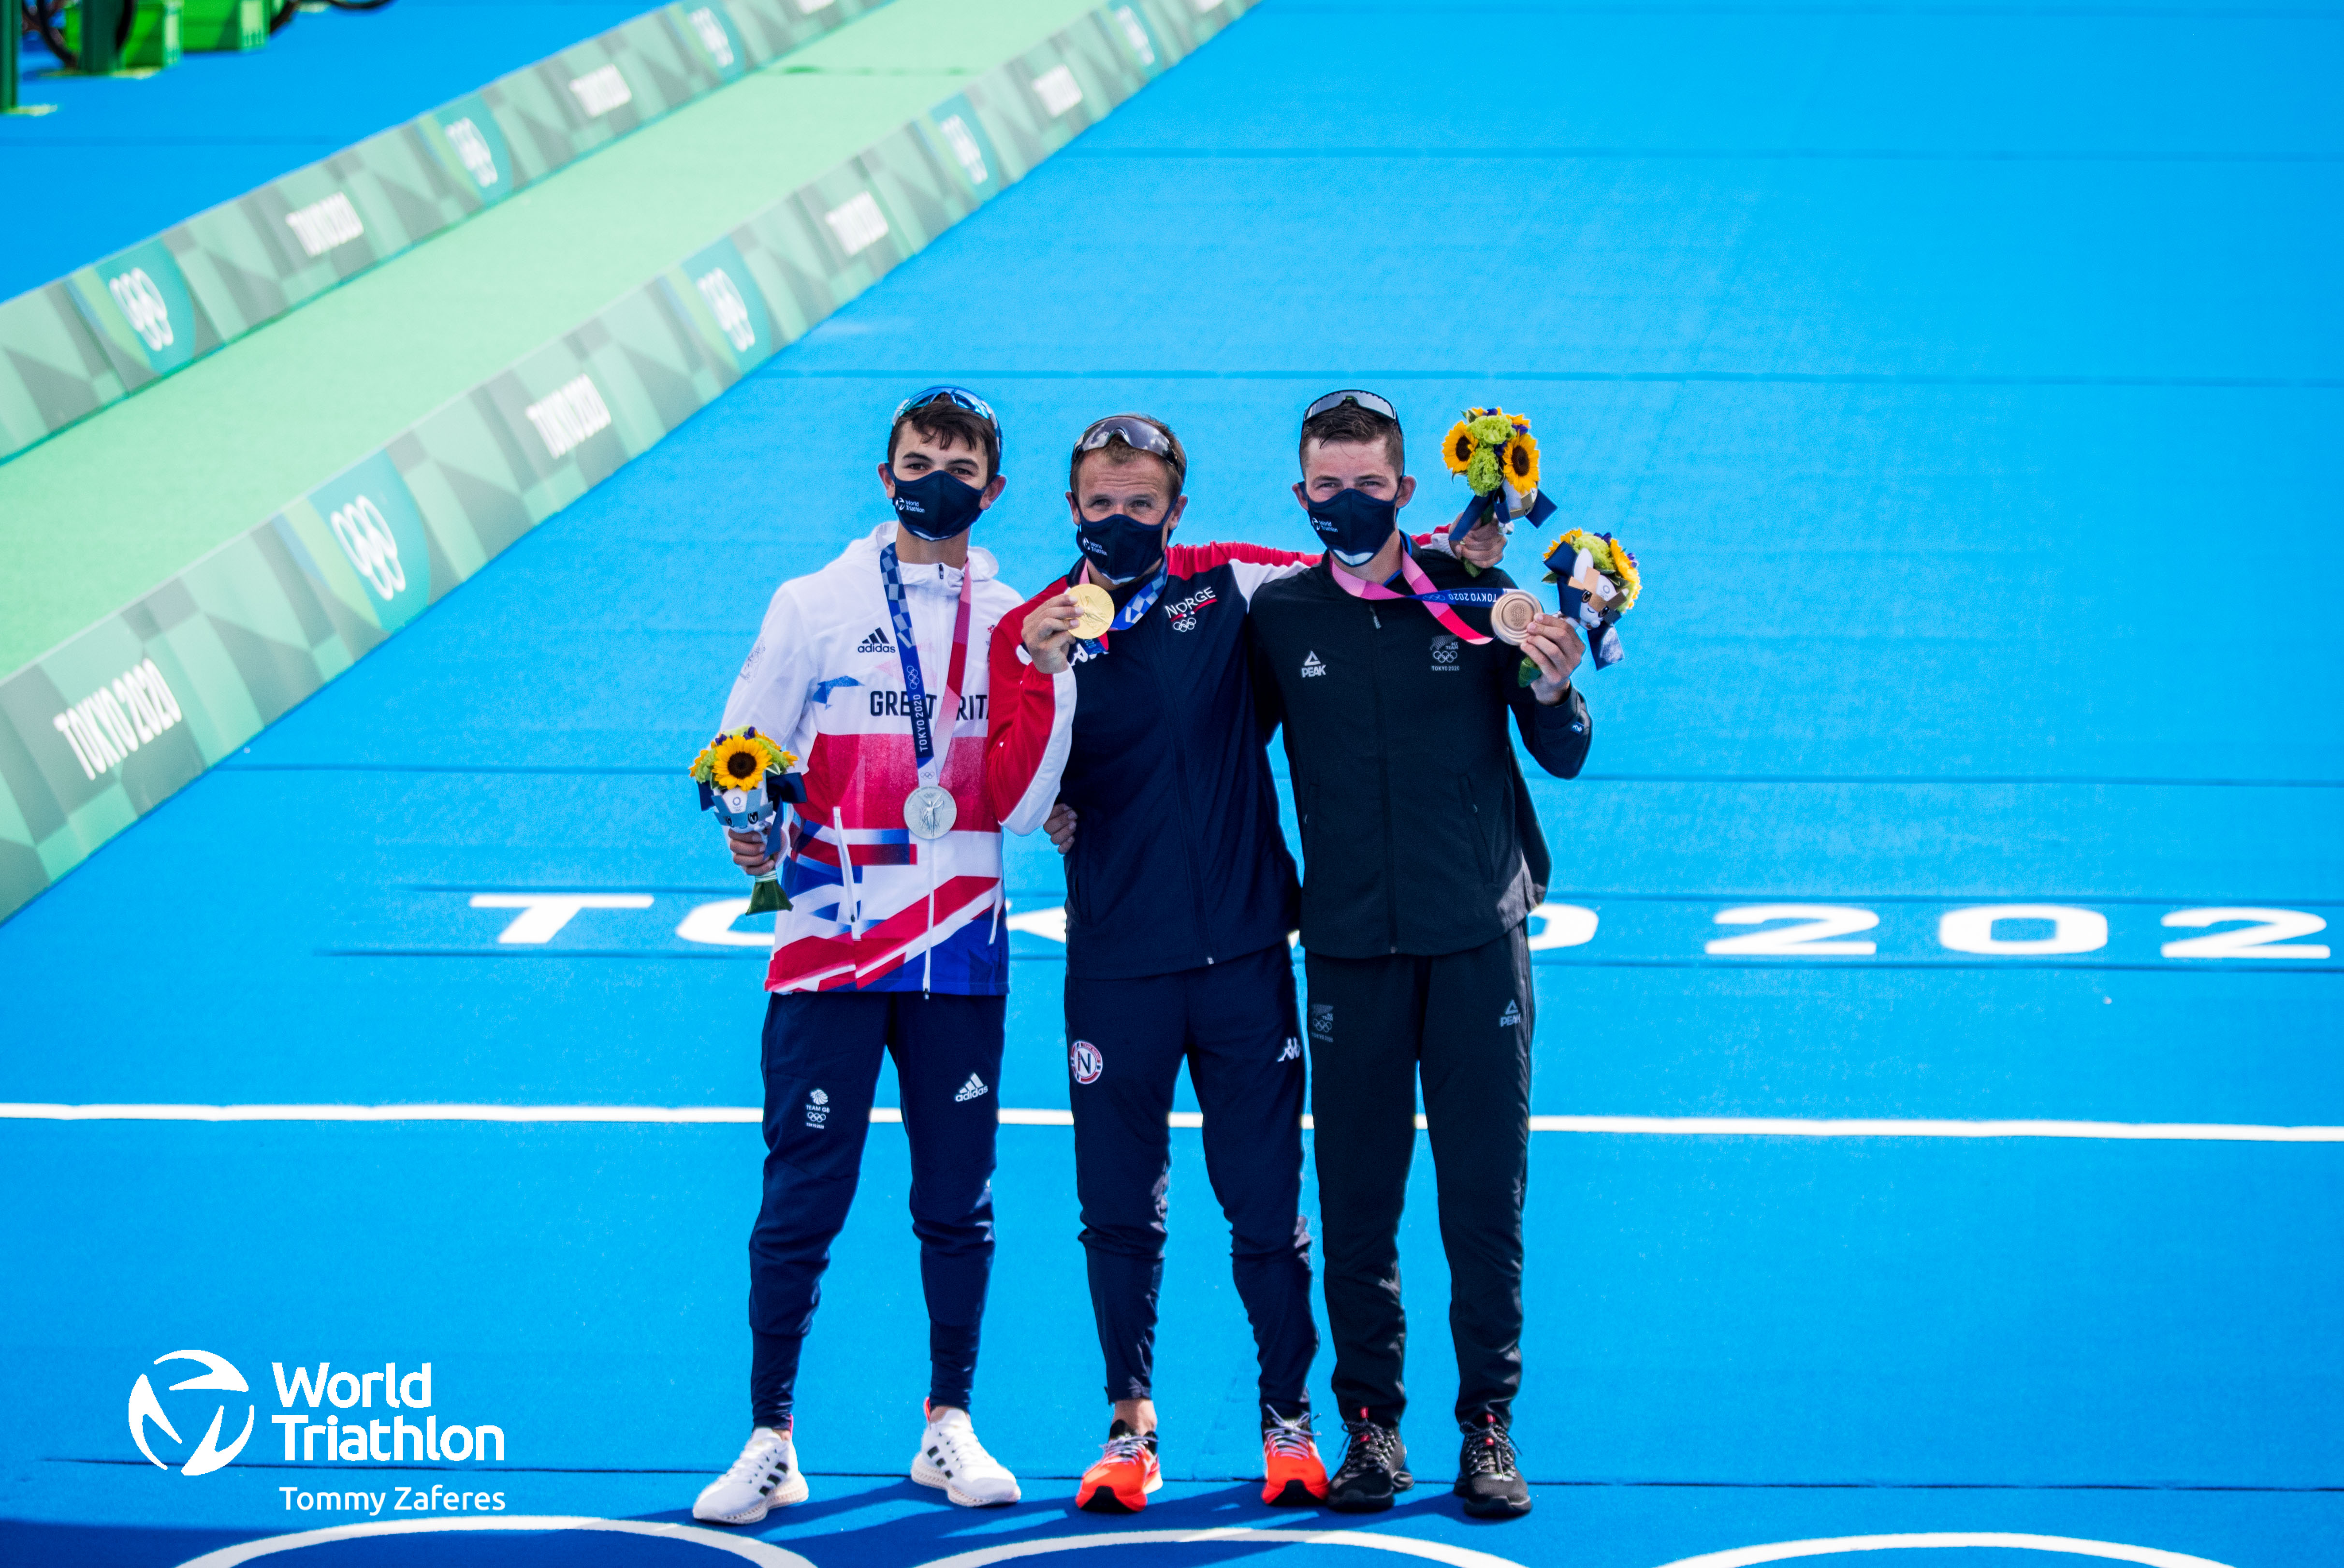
pixel 876 643
pixel 974 1088
pixel 1311 666
pixel 1510 1016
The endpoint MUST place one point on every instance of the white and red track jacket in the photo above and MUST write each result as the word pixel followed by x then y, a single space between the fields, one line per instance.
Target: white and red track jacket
pixel 871 908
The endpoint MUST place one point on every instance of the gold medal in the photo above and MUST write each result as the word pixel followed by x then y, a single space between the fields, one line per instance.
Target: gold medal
pixel 1511 615
pixel 1097 610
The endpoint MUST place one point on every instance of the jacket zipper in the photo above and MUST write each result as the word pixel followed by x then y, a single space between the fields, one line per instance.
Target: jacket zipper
pixel 1188 829
pixel 1383 767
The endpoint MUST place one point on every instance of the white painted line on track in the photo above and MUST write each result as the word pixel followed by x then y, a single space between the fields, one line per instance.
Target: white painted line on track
pixel 602 1113
pixel 1889 1127
pixel 744 1546
pixel 1632 1125
pixel 1786 1551
pixel 1406 1546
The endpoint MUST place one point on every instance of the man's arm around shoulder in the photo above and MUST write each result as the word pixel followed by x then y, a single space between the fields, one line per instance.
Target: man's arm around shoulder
pixel 1029 723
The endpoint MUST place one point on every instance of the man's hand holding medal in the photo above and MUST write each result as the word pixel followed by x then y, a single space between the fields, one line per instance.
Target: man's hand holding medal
pixel 1081 614
pixel 1551 646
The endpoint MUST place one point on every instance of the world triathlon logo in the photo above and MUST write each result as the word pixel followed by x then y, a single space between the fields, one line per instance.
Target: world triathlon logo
pixel 218 1376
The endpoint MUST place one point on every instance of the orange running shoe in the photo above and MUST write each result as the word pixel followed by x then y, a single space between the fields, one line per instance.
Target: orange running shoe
pixel 1126 1474
pixel 1293 1475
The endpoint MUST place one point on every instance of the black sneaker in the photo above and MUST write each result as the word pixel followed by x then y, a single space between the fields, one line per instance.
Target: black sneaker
pixel 1375 1467
pixel 1488 1479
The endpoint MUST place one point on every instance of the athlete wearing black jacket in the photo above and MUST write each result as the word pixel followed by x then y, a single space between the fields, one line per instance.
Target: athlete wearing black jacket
pixel 1421 860
pixel 1396 740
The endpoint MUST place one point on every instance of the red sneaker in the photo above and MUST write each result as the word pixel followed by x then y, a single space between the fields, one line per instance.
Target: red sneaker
pixel 1293 1475
pixel 1126 1474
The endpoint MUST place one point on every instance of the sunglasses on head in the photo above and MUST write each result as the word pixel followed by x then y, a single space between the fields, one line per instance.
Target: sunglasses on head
pixel 959 397
pixel 1137 433
pixel 1366 400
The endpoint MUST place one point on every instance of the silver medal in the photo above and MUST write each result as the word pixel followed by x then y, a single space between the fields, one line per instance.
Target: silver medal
pixel 929 811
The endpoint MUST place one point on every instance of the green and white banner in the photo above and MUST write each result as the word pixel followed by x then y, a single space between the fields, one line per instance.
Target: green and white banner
pixel 77 345
pixel 120 717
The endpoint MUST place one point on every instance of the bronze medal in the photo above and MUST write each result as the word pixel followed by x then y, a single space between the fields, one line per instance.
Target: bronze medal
pixel 1510 616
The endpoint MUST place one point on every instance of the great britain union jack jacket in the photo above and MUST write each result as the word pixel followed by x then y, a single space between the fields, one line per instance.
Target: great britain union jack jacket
pixel 871 908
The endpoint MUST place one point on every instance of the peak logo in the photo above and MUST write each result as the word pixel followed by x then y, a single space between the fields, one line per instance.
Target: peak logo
pixel 218 1374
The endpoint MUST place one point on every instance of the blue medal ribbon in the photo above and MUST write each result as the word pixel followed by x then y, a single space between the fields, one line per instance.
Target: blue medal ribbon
pixel 907 656
pixel 1446 595
pixel 1135 608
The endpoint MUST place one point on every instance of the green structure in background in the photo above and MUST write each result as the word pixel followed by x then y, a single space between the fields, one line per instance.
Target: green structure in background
pixel 222 26
pixel 106 726
pixel 75 346
pixel 94 32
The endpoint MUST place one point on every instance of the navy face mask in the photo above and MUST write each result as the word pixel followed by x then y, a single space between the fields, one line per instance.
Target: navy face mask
pixel 1354 525
pixel 1120 548
pixel 936 506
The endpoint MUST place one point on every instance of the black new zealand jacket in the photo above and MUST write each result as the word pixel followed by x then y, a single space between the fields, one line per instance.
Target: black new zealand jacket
pixel 1418 835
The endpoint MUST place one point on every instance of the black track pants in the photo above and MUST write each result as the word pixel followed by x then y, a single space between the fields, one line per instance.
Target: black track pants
pixel 1463 1021
pixel 1233 1023
pixel 822 1057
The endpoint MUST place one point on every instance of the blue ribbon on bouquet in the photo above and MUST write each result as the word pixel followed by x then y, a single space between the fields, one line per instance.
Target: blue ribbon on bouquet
pixel 1480 506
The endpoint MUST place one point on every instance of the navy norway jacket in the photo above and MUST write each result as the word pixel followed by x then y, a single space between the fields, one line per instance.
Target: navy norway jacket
pixel 1177 860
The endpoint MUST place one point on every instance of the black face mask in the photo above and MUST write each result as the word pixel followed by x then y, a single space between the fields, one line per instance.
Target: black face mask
pixel 1354 526
pixel 936 506
pixel 1120 548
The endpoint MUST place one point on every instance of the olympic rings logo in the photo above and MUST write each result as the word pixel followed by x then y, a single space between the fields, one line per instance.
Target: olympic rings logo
pixel 365 536
pixel 143 306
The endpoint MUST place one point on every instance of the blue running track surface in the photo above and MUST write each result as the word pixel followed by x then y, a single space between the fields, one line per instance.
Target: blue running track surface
pixel 1966 380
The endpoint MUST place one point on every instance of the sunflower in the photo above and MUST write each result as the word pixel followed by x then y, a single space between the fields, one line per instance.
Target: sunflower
pixel 1631 580
pixel 1457 449
pixel 738 762
pixel 1520 461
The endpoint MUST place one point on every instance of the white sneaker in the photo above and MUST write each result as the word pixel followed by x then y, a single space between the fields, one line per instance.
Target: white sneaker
pixel 952 1459
pixel 765 1476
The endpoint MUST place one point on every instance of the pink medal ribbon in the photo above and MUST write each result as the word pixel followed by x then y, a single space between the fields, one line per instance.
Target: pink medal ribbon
pixel 1436 600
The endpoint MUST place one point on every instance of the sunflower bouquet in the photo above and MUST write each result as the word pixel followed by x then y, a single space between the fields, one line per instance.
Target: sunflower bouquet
pixel 1499 459
pixel 745 779
pixel 1600 584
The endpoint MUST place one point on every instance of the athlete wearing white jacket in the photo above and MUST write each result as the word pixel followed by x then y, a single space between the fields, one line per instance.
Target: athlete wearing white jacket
pixel 873 672
pixel 871 907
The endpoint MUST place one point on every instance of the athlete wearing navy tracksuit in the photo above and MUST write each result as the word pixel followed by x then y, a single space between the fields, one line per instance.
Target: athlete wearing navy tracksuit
pixel 1179 897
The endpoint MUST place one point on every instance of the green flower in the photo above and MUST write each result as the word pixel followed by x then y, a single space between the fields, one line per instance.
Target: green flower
pixel 1493 430
pixel 1482 473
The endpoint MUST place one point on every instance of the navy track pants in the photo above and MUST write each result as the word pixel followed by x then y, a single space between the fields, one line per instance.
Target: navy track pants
pixel 1234 1023
pixel 822 1054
